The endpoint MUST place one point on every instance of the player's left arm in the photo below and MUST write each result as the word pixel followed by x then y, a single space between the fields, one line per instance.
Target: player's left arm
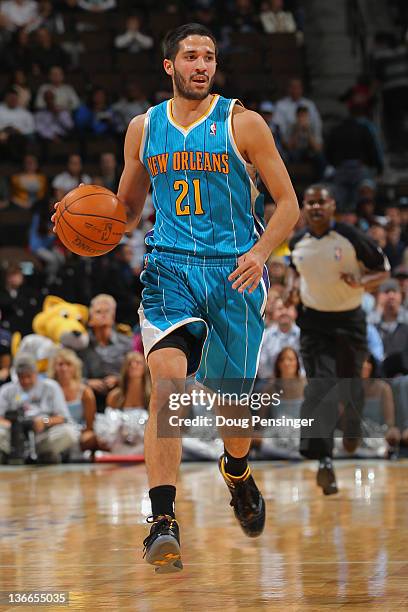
pixel 256 145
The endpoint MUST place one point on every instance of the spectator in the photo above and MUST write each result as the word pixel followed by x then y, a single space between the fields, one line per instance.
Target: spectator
pixel 19 84
pixel 133 103
pixel 273 296
pixel 267 110
pixel 28 186
pixel 133 389
pixel 69 7
pixel 124 284
pixel 379 234
pixel 96 116
pixel 244 17
pixel 391 69
pixel 352 150
pixel 4 192
pixel 18 13
pixel 42 241
pixel 394 249
pixel 303 146
pixel 132 39
pixel 97 6
pixel 13 118
pixel 66 97
pixel 53 22
pixel 399 216
pixel 206 14
pixel 277 270
pixel 287 364
pixel 379 402
pixel 282 333
pixel 366 205
pixel 285 113
pixel 274 19
pixel 403 208
pixel 391 320
pixel 289 383
pixel 5 354
pixel 107 348
pixel 401 274
pixel 393 214
pixel 52 123
pixel 66 369
pixel 390 286
pixel 109 171
pixel 289 380
pixel 44 409
pixel 16 127
pixel 136 239
pixel 46 53
pixel 19 303
pixel 17 53
pixel 70 178
pixel 361 96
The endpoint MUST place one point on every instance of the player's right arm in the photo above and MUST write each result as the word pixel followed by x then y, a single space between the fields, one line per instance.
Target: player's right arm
pixel 135 181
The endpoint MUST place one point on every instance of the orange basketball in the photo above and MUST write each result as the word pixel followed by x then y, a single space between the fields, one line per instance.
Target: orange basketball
pixel 90 220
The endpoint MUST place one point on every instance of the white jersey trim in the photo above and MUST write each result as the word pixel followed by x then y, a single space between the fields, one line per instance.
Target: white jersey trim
pixel 234 101
pixel 146 127
pixel 185 130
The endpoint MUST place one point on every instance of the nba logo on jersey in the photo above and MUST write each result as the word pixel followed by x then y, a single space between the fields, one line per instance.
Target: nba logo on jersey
pixel 213 129
pixel 338 253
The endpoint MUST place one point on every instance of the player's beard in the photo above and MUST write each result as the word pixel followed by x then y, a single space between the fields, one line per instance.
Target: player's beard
pixel 184 90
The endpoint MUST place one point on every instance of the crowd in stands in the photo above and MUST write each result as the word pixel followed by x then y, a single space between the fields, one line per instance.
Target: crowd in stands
pixel 61 125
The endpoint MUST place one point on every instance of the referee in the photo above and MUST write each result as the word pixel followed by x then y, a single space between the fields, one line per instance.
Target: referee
pixel 336 263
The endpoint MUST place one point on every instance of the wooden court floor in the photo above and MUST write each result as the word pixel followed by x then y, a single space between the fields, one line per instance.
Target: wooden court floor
pixel 79 529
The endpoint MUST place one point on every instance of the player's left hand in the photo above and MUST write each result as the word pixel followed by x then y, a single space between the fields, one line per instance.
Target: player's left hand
pixel 248 273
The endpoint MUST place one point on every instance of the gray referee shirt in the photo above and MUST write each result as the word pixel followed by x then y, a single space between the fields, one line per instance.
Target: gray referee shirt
pixel 321 260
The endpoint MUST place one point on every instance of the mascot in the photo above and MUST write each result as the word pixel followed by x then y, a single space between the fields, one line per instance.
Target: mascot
pixel 60 323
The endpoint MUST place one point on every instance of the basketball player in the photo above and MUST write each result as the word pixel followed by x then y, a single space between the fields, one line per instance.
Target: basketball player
pixel 336 264
pixel 204 283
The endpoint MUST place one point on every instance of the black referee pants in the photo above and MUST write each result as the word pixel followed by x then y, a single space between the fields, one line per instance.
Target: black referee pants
pixel 333 347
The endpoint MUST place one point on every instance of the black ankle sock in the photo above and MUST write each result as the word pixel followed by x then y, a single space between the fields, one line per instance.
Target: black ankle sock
pixel 235 466
pixel 162 499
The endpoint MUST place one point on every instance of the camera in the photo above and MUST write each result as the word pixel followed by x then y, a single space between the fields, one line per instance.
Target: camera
pixel 20 427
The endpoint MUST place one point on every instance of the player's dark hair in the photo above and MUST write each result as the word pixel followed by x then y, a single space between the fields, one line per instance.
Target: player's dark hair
pixel 170 45
pixel 320 187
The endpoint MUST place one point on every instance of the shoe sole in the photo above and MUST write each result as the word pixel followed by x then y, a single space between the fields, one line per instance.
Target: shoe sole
pixel 329 488
pixel 254 534
pixel 165 555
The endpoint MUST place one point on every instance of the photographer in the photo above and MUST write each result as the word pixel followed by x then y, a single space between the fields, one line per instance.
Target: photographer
pixel 37 405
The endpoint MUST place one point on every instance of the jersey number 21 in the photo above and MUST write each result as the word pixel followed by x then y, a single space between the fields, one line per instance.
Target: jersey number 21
pixel 183 187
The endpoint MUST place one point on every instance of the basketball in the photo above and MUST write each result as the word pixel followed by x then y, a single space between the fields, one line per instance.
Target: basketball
pixel 90 220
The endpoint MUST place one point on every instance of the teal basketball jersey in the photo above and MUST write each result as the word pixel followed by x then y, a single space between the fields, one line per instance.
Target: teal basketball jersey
pixel 205 201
